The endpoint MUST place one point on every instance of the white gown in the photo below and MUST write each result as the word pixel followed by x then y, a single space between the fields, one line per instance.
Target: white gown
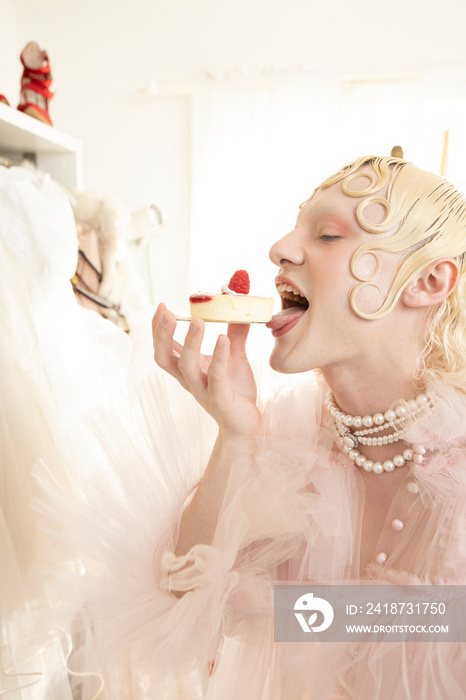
pixel 38 396
pixel 57 361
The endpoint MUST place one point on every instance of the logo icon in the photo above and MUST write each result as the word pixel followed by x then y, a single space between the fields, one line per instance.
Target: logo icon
pixel 312 605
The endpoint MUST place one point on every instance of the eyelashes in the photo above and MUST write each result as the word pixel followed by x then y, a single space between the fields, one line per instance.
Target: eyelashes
pixel 327 238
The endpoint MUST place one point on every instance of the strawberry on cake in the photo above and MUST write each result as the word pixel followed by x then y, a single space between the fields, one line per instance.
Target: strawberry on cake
pixel 233 305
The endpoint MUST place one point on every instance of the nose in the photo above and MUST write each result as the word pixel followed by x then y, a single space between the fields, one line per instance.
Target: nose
pixel 287 250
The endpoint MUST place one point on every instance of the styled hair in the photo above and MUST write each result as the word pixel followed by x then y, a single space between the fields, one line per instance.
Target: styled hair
pixel 428 218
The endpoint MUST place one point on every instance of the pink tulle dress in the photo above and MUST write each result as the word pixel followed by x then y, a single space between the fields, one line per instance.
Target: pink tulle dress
pixel 293 513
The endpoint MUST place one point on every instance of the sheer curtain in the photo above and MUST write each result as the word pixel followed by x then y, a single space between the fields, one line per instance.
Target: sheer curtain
pixel 257 152
pixel 414 112
pixel 259 147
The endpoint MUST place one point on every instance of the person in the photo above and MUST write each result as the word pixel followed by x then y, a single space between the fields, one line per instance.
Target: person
pixel 356 475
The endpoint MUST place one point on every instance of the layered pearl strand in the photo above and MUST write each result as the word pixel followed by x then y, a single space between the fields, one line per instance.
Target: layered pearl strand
pixel 366 429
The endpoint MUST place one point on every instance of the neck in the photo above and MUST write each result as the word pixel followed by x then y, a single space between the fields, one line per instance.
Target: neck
pixel 370 383
pixel 380 373
pixel 364 391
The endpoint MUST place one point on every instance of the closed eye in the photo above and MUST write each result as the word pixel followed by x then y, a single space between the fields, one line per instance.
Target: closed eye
pixel 327 238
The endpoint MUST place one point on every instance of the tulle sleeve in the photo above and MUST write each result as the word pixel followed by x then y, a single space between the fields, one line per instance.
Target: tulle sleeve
pixel 143 465
pixel 272 512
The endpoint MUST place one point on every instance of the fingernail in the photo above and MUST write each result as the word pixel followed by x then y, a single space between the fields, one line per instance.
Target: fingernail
pixel 164 319
pixel 222 339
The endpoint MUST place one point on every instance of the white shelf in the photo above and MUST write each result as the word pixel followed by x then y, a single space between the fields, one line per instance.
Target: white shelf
pixel 54 152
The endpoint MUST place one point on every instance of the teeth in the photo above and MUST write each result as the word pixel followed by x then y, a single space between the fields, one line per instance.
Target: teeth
pixel 288 292
pixel 287 288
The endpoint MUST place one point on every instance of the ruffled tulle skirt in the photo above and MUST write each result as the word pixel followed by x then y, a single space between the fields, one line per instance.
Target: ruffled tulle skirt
pixel 291 514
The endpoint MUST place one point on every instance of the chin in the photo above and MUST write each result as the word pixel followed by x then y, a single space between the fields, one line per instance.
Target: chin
pixel 278 367
pixel 276 362
pixel 286 365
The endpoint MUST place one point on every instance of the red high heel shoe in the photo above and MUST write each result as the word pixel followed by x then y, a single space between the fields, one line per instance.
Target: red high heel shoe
pixel 3 100
pixel 35 83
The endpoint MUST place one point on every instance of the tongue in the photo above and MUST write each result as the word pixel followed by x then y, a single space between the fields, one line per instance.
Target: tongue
pixel 283 318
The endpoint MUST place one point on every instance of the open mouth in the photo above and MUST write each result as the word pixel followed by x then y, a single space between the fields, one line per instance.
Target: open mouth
pixel 291 297
pixel 294 305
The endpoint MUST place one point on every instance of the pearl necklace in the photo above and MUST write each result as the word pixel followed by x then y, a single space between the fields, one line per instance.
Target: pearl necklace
pixel 393 419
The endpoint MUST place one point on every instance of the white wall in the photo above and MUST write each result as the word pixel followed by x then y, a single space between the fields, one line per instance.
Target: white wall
pixel 9 85
pixel 102 53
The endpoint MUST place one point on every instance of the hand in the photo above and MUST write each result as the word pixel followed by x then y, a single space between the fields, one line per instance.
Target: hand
pixel 222 383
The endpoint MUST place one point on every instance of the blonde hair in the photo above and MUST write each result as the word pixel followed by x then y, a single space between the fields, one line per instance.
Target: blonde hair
pixel 428 217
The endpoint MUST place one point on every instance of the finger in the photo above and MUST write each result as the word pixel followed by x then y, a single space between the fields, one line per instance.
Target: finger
pixel 238 333
pixel 189 362
pixel 217 376
pixel 204 360
pixel 156 317
pixel 164 355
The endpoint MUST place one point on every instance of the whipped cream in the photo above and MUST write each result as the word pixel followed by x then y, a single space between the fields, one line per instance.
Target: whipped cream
pixel 226 290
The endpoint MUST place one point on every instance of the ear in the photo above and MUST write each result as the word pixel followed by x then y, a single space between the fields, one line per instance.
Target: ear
pixel 433 284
